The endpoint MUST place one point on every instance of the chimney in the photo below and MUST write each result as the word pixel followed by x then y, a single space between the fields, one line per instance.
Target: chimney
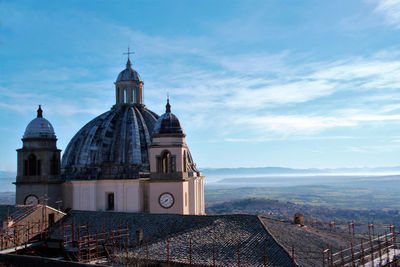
pixel 299 219
pixel 139 236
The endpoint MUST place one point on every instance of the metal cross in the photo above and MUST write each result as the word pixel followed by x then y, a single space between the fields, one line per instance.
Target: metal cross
pixel 128 53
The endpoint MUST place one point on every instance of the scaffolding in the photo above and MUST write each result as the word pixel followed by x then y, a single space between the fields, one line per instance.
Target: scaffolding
pixel 17 234
pixel 88 245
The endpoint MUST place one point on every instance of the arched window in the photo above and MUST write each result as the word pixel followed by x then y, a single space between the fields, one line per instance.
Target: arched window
pixel 32 165
pixel 167 162
pixel 126 95
pixel 39 168
pixel 26 167
pixel 134 94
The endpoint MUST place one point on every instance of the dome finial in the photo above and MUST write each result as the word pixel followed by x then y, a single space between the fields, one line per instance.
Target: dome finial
pixel 40 112
pixel 128 63
pixel 168 106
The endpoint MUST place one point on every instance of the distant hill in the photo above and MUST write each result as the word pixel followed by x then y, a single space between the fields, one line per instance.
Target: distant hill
pixel 6 181
pixel 5 174
pixel 286 210
pixel 281 170
pixel 7 198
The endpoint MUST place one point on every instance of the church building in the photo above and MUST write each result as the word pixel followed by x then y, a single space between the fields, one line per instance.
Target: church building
pixel 127 159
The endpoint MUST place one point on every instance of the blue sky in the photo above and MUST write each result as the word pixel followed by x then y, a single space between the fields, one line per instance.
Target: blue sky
pixel 255 83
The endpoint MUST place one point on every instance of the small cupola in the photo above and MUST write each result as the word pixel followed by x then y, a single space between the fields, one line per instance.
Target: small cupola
pixel 168 123
pixel 39 127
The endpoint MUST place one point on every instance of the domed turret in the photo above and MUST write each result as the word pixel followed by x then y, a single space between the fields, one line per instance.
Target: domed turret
pixel 39 127
pixel 168 123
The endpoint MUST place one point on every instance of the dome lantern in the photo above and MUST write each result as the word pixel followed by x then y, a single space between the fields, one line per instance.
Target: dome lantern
pixel 129 86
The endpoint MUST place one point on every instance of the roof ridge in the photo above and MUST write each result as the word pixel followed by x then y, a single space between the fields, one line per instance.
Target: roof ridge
pixel 276 240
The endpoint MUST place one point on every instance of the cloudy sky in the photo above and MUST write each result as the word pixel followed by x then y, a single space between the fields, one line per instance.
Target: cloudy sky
pixel 255 83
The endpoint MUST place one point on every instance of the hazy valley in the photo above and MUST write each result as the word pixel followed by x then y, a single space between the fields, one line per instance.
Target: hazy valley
pixel 368 195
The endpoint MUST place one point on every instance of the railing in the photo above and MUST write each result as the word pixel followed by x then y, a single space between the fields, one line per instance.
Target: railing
pixel 19 214
pixel 360 254
pixel 19 235
pixel 90 246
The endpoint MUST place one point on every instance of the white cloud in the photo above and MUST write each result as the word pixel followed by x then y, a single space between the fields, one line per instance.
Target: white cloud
pixel 277 94
pixel 390 10
pixel 294 138
pixel 293 124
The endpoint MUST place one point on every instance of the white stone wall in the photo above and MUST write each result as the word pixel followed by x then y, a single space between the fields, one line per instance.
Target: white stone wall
pixel 92 195
pixel 196 190
pixel 193 196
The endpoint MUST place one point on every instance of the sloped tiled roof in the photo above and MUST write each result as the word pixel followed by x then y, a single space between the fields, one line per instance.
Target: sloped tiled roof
pixel 228 233
pixel 308 243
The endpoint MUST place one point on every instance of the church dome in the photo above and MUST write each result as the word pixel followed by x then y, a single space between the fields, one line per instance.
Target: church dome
pixel 168 123
pixel 39 127
pixel 113 145
pixel 116 144
pixel 129 74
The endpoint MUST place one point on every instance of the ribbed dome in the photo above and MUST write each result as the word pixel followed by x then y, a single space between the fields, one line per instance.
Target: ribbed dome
pixel 129 74
pixel 39 128
pixel 113 145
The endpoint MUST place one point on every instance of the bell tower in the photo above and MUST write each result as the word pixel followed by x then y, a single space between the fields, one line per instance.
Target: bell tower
pixel 38 165
pixel 175 185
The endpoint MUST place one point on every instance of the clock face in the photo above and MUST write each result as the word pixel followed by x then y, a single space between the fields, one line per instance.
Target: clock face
pixel 31 200
pixel 166 200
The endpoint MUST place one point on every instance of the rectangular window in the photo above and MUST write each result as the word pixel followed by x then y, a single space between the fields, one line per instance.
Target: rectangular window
pixel 185 199
pixel 51 219
pixel 110 201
